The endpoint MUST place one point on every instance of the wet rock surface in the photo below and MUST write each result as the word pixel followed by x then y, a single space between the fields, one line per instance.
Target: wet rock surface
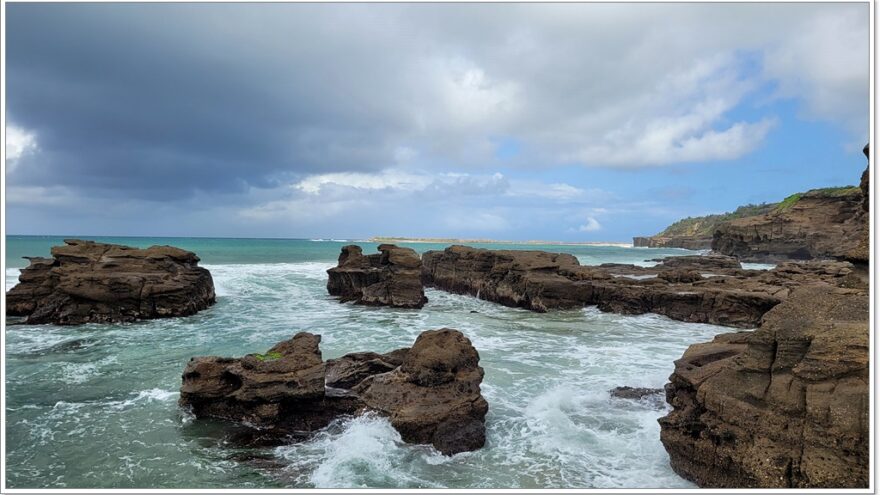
pixel 92 282
pixel 430 392
pixel 784 406
pixel 388 278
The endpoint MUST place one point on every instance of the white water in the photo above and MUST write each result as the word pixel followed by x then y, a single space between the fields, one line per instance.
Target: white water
pixel 105 413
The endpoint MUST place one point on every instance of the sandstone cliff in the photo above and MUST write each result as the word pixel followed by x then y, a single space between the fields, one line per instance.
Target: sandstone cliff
pixel 824 223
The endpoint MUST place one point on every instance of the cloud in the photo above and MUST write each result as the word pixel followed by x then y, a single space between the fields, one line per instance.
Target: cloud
pixel 824 64
pixel 423 85
pixel 592 225
pixel 344 106
pixel 19 142
pixel 387 179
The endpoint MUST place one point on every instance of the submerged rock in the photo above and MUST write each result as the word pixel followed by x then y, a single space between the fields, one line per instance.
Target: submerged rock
pixel 389 278
pixel 785 406
pixel 93 282
pixel 635 393
pixel 430 392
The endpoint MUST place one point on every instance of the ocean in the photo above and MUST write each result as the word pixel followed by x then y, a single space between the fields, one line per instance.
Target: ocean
pixel 95 406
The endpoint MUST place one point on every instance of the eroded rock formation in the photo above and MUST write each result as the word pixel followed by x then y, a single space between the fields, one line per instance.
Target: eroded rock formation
pixel 818 225
pixel 703 289
pixel 388 278
pixel 93 282
pixel 429 392
pixel 784 406
pixel 695 243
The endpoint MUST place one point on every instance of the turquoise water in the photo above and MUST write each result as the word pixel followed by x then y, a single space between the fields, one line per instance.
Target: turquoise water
pixel 95 406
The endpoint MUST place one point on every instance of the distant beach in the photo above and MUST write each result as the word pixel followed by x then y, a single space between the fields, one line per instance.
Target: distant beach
pixel 440 240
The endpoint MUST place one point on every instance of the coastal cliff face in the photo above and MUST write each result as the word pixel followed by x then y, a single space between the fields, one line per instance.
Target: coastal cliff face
pixel 817 225
pixel 829 223
pixel 784 406
pixel 388 278
pixel 824 223
pixel 683 242
pixel 429 392
pixel 92 282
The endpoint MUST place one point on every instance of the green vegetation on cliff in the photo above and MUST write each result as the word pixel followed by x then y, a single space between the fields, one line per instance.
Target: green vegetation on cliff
pixel 705 226
pixel 827 192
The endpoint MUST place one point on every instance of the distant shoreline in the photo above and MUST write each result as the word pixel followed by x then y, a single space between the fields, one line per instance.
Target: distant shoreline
pixel 437 240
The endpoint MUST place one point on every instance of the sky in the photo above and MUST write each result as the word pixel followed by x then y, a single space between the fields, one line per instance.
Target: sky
pixel 574 122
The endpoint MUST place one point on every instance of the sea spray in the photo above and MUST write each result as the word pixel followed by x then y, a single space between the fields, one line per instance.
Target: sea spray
pixel 551 421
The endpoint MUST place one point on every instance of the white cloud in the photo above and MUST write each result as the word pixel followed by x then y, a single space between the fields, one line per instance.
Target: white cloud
pixel 19 142
pixel 825 63
pixel 387 179
pixel 465 221
pixel 592 225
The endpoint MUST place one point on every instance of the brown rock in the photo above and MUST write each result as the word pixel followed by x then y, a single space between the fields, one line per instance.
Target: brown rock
pixel 431 392
pixel 680 276
pixel 684 242
pixel 785 406
pixel 434 396
pixel 389 278
pixel 351 369
pixel 92 282
pixel 819 225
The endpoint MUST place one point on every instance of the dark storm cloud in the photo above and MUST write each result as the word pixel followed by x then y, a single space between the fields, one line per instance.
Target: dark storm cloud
pixel 325 117
pixel 163 97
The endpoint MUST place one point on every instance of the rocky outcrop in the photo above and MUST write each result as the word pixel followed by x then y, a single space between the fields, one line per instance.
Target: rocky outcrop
pixel 389 278
pixel 783 407
pixel 434 396
pixel 429 392
pixel 683 242
pixel 92 282
pixel 701 289
pixel 817 225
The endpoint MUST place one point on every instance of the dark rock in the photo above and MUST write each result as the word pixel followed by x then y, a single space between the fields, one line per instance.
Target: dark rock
pixel 680 276
pixel 434 396
pixel 389 278
pixel 683 242
pixel 785 406
pixel 92 282
pixel 535 280
pixel 698 262
pixel 635 393
pixel 430 392
pixel 542 281
pixel 351 369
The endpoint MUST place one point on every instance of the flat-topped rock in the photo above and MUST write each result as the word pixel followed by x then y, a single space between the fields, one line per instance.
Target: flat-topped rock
pixel 388 278
pixel 785 406
pixel 93 282
pixel 676 287
pixel 430 392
